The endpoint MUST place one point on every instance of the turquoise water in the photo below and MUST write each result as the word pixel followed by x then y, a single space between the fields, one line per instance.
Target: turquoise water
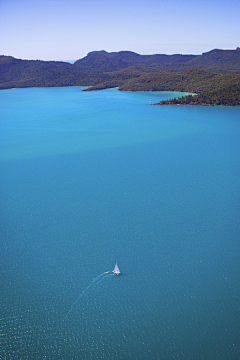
pixel 91 178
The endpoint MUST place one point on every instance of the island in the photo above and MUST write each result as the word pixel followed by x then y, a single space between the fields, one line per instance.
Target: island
pixel 213 76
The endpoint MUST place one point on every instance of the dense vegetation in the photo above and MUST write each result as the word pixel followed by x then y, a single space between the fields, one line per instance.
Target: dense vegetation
pixel 128 71
pixel 217 56
pixel 100 63
pixel 226 96
pixel 195 81
pixel 132 58
pixel 16 73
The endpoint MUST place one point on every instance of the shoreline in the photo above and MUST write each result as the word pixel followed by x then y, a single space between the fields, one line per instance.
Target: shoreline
pixel 116 87
pixel 197 105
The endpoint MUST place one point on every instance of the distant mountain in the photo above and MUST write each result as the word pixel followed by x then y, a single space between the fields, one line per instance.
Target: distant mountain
pixel 123 55
pixel 14 69
pixel 216 56
pixel 132 58
pixel 100 62
pixel 125 69
pixel 227 57
pixel 17 73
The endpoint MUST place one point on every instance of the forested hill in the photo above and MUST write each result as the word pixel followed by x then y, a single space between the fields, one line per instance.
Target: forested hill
pixel 216 56
pixel 17 73
pixel 132 58
pixel 100 63
pixel 126 70
pixel 226 96
pixel 193 81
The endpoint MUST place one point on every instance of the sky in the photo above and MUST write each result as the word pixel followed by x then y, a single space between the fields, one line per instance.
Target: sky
pixel 69 29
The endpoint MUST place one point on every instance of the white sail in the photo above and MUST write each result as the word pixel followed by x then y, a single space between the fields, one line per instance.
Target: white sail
pixel 116 270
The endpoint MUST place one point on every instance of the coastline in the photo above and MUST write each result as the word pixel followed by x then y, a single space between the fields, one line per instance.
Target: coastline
pixel 213 105
pixel 88 88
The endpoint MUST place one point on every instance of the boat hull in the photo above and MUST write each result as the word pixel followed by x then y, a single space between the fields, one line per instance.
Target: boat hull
pixel 116 270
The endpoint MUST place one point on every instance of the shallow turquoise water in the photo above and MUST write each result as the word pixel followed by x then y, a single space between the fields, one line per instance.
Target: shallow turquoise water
pixel 91 178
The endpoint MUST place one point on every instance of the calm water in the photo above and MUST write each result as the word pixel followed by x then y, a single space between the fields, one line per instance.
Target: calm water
pixel 91 178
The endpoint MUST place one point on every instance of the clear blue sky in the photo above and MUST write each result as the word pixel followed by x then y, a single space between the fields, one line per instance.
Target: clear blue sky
pixel 69 29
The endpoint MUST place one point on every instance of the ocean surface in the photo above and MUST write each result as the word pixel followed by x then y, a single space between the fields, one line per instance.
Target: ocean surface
pixel 89 179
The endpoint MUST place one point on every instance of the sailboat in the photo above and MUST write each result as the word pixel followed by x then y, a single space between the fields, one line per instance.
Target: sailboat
pixel 116 270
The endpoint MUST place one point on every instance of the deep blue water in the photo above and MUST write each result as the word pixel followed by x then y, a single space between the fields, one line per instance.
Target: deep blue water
pixel 91 178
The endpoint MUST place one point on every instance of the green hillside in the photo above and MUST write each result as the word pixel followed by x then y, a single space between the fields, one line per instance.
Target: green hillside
pixel 226 96
pixel 128 71
pixel 102 70
pixel 217 56
pixel 195 81
pixel 100 63
pixel 17 73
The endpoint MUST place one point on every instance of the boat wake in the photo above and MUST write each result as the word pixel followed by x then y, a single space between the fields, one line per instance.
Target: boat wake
pixel 95 281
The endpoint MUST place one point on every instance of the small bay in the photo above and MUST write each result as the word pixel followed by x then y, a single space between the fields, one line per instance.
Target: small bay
pixel 89 179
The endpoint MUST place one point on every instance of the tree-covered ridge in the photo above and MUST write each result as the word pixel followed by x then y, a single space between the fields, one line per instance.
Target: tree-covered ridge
pixel 226 96
pixel 132 58
pixel 17 73
pixel 100 63
pixel 126 70
pixel 194 81
pixel 217 56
